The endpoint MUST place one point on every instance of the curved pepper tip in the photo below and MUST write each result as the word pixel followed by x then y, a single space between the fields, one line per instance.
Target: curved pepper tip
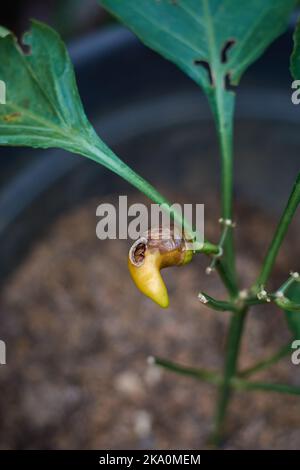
pixel 148 255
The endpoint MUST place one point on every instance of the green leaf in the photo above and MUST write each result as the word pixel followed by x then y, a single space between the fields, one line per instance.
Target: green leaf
pixel 295 57
pixel 293 317
pixel 43 107
pixel 224 36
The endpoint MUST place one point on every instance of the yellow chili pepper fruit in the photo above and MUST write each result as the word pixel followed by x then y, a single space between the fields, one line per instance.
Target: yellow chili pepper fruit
pixel 158 249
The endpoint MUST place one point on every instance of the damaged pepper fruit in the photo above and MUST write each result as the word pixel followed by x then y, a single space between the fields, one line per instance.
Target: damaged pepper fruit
pixel 157 249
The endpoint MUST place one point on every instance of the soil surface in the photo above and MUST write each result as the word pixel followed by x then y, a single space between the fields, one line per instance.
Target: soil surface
pixel 78 336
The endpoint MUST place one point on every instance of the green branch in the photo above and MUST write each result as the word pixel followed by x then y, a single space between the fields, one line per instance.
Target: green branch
pixel 226 278
pixel 244 385
pixel 223 109
pixel 199 374
pixel 230 369
pixel 279 236
pixel 266 363
pixel 219 305
pixel 286 304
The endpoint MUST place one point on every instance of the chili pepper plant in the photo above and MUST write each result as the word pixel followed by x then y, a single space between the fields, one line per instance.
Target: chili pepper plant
pixel 213 42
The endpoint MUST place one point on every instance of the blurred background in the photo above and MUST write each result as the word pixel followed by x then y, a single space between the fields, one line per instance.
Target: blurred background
pixel 78 334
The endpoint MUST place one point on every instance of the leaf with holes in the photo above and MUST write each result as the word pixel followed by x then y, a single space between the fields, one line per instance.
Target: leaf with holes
pixel 43 107
pixel 293 318
pixel 212 41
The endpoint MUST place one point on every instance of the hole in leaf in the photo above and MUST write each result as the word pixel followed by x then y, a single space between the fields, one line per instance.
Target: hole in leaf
pixel 226 48
pixel 206 66
pixel 24 43
pixel 26 49
pixel 227 83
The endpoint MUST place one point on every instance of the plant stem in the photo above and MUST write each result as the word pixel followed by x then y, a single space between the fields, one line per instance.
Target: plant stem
pixel 215 304
pixel 224 120
pixel 236 383
pixel 232 352
pixel 264 364
pixel 208 248
pixel 287 304
pixel 242 385
pixel 227 279
pixel 287 284
pixel 280 233
pixel 223 111
pixel 200 374
pixel 224 124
